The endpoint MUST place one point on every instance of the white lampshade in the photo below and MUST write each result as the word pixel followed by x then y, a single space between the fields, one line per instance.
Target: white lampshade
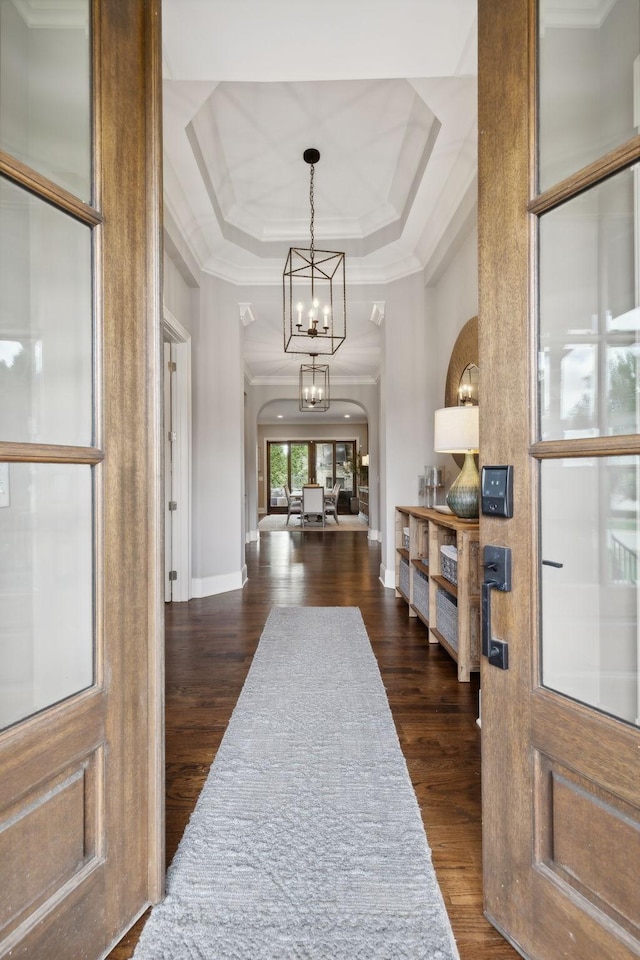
pixel 365 459
pixel 456 430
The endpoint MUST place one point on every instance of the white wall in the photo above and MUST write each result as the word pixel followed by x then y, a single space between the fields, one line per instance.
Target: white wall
pixel 218 432
pixel 179 298
pixel 420 330
pixel 407 371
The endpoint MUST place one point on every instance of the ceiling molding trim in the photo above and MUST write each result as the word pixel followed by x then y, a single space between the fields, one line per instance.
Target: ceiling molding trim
pixel 263 381
pixel 353 246
pixel 192 240
pixel 582 14
pixel 270 275
pixel 449 243
pixel 377 312
pixel 64 15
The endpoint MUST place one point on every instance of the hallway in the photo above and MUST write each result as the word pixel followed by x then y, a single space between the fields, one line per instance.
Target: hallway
pixel 209 646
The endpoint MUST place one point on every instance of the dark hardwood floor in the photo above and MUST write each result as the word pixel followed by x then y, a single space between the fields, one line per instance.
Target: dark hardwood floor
pixel 209 647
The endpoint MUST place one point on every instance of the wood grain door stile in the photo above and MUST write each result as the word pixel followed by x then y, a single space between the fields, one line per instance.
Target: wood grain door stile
pixel 561 783
pixel 81 837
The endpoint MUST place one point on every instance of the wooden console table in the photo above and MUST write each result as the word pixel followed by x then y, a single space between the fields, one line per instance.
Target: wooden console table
pixel 450 611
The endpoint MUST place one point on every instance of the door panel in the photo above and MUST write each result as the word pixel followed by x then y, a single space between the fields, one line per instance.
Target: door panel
pixel 299 465
pixel 46 584
pixel 46 349
pixel 54 45
pixel 169 443
pixel 586 93
pixel 325 465
pixel 80 499
pixel 589 624
pixel 289 463
pixel 558 331
pixel 278 470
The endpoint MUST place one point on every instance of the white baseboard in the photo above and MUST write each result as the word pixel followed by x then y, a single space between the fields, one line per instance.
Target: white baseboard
pixel 374 535
pixel 223 583
pixel 387 577
pixel 251 536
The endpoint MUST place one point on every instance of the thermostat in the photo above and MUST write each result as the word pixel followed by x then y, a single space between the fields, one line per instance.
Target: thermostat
pixel 497 491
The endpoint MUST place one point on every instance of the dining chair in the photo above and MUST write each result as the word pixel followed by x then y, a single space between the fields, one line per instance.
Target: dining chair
pixel 331 503
pixel 294 504
pixel 312 503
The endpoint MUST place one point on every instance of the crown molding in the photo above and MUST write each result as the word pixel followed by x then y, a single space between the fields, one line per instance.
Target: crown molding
pixel 571 14
pixel 63 15
pixel 280 381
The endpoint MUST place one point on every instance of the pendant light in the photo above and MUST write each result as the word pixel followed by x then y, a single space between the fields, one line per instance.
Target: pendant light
pixel 313 291
pixel 314 386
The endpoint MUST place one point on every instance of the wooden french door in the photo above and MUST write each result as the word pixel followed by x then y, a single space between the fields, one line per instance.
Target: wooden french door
pixel 289 463
pixel 296 462
pixel 559 332
pixel 81 851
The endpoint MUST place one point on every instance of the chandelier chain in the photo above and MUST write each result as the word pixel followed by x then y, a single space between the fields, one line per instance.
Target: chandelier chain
pixel 312 247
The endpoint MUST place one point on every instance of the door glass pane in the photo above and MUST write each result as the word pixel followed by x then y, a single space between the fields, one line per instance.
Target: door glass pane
pixel 46 354
pixel 46 586
pixel 278 473
pixel 299 465
pixel 588 83
pixel 589 524
pixel 589 316
pixel 45 117
pixel 324 465
pixel 345 465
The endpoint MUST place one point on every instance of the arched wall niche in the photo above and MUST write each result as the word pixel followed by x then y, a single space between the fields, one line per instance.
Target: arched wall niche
pixel 464 353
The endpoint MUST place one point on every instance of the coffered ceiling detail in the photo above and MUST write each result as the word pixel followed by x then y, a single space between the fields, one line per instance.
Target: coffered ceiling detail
pixel 389 100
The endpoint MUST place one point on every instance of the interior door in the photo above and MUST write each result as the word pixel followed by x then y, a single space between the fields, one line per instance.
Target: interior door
pixel 80 455
pixel 559 334
pixel 288 463
pixel 169 439
pixel 299 462
pixel 325 464
pixel 335 463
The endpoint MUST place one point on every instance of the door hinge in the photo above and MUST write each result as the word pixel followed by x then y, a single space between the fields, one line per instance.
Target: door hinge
pixel 173 574
pixel 172 436
pixel 173 505
pixel 172 366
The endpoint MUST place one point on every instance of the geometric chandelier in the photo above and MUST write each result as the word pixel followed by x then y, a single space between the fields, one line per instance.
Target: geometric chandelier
pixel 314 305
pixel 313 395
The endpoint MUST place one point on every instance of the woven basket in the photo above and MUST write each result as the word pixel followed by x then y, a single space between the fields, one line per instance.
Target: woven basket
pixel 421 593
pixel 449 563
pixel 447 617
pixel 404 576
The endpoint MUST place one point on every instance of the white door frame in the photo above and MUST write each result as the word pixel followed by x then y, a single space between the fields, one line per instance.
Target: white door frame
pixel 181 338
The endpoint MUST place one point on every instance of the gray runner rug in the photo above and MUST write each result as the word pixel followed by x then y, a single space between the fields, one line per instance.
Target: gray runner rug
pixel 306 842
